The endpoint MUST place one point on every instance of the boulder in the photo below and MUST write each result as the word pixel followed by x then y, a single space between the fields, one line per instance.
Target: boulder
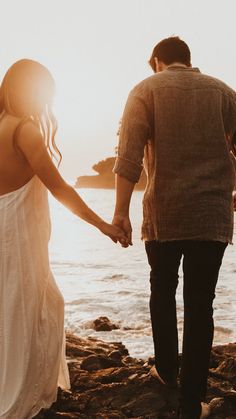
pixel 103 324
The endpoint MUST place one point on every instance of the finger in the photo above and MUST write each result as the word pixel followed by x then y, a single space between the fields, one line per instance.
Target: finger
pixel 121 235
pixel 129 238
pixel 126 242
pixel 122 238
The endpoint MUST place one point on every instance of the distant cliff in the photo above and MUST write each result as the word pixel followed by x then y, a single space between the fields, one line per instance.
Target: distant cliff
pixel 105 179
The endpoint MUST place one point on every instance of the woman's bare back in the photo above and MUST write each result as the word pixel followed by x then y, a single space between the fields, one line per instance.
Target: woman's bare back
pixel 15 171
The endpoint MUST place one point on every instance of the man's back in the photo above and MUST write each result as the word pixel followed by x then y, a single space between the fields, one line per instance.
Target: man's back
pixel 183 123
pixel 191 175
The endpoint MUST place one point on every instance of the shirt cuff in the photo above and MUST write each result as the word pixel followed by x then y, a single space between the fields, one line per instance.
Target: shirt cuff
pixel 127 169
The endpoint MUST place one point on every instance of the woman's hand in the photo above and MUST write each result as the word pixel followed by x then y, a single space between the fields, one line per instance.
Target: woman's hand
pixel 115 233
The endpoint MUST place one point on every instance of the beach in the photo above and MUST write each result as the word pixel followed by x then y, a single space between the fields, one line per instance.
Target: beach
pixel 98 278
pixel 107 383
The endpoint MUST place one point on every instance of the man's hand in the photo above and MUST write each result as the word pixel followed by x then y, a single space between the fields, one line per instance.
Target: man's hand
pixel 124 190
pixel 115 233
pixel 124 223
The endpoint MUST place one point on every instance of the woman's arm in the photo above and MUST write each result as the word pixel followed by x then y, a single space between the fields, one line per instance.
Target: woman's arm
pixel 32 146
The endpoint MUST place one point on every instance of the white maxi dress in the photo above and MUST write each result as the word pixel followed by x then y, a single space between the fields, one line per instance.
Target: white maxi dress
pixel 32 339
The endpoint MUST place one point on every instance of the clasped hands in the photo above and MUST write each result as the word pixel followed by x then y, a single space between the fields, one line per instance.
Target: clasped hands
pixel 119 231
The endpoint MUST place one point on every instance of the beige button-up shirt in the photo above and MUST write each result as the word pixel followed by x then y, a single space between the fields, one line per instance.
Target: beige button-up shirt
pixel 181 122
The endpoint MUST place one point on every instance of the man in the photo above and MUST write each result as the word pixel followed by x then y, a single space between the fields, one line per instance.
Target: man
pixel 183 123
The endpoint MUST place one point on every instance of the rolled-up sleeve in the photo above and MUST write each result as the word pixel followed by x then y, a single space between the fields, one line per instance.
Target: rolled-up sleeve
pixel 135 131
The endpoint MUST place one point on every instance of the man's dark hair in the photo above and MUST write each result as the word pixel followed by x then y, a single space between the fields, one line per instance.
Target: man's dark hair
pixel 171 50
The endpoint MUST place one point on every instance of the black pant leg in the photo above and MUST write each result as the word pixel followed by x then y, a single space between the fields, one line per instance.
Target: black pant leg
pixel 201 264
pixel 164 259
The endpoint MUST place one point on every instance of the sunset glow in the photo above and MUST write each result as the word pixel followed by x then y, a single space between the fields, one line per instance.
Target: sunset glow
pixel 117 209
pixel 97 51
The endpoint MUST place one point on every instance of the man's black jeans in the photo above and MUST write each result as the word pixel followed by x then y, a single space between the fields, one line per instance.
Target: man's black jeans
pixel 201 264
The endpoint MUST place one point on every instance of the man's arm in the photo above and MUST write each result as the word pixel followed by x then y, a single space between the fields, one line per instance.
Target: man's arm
pixel 136 128
pixel 124 190
pixel 233 151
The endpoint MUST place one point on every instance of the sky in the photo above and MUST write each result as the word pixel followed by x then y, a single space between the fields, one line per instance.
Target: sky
pixel 97 51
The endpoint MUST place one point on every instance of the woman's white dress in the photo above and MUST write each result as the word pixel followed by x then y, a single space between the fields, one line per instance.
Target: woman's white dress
pixel 32 339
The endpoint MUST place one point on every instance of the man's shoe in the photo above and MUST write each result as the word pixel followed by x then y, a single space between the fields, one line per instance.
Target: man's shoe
pixel 170 383
pixel 206 411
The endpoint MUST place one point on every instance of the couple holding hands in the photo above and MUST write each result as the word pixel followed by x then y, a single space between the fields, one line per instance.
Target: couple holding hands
pixel 181 124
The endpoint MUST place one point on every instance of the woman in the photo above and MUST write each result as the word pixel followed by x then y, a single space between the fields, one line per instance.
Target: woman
pixel 32 351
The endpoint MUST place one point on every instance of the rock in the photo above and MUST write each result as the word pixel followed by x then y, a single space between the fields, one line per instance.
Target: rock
pixel 128 360
pixel 132 377
pixel 75 347
pixel 105 178
pixel 106 383
pixel 103 324
pixel 115 355
pixel 98 362
pixel 227 368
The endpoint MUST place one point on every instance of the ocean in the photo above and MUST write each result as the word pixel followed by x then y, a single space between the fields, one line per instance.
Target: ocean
pixel 99 278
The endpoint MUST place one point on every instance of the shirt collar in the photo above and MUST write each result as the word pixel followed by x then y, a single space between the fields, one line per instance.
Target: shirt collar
pixel 180 67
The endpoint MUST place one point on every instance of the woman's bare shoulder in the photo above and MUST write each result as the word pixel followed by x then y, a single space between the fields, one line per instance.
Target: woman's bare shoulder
pixel 10 125
pixel 28 131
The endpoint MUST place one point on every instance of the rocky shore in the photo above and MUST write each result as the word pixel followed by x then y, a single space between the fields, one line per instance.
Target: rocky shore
pixel 106 383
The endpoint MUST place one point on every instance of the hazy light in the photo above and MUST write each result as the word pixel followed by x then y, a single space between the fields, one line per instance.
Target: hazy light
pixel 97 51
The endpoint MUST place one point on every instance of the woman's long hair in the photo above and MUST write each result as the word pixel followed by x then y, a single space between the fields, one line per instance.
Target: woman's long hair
pixel 27 92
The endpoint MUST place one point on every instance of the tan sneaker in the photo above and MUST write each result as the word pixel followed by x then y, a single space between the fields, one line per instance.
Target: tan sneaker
pixel 206 410
pixel 154 373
